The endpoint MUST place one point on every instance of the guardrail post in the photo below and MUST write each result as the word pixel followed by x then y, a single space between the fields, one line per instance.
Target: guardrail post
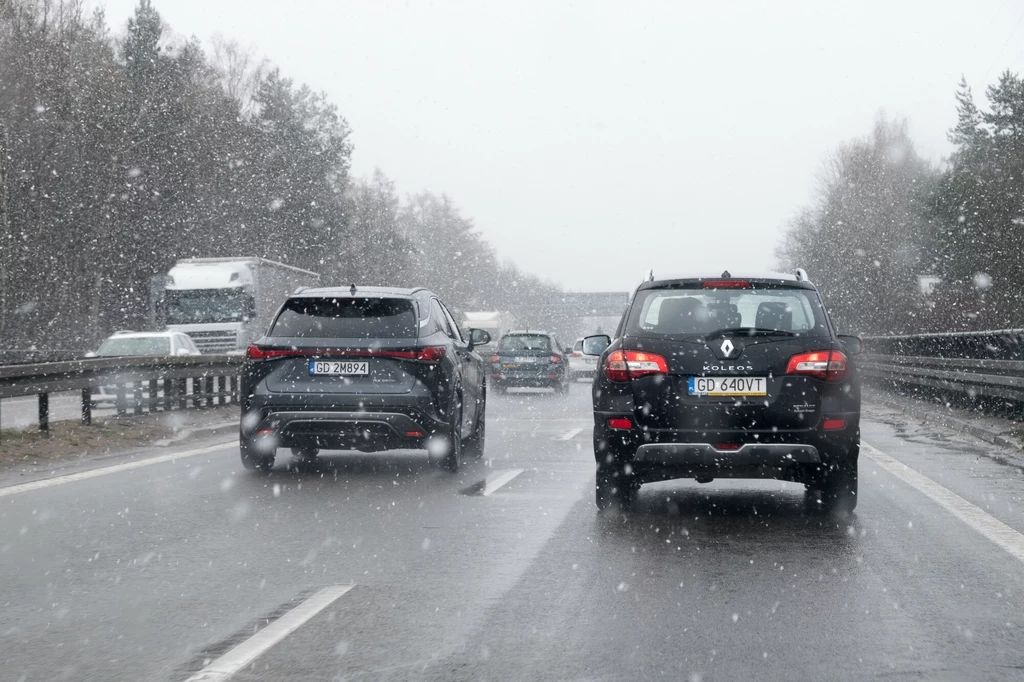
pixel 168 394
pixel 154 388
pixel 137 398
pixel 209 385
pixel 121 401
pixel 222 387
pixel 197 392
pixel 44 412
pixel 86 406
pixel 182 394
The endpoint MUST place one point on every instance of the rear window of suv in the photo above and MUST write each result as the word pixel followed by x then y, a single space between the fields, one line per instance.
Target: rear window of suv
pixel 688 312
pixel 525 342
pixel 347 318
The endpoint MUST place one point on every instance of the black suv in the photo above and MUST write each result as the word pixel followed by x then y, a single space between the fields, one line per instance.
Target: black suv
pixel 530 359
pixel 364 369
pixel 726 377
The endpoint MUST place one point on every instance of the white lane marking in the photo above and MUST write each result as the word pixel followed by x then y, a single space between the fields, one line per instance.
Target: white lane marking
pixel 249 650
pixel 975 517
pixel 492 483
pixel 569 435
pixel 103 471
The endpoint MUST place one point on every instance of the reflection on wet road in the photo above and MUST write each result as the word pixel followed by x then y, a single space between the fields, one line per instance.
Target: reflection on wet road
pixel 506 571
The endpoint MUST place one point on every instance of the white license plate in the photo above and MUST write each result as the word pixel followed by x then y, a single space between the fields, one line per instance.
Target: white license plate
pixel 729 386
pixel 525 359
pixel 339 367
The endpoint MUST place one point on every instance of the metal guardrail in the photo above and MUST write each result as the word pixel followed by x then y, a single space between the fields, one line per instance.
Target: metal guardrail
pixel 988 363
pixel 149 383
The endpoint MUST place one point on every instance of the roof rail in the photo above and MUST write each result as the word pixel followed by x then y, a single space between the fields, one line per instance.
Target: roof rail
pixel 801 275
pixel 299 290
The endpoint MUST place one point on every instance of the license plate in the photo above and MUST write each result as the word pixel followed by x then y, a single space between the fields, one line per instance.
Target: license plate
pixel 525 359
pixel 729 386
pixel 339 367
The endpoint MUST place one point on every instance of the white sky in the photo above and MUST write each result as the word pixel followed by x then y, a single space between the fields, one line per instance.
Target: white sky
pixel 591 141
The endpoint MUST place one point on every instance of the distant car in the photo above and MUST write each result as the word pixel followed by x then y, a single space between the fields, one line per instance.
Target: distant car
pixel 727 377
pixel 365 369
pixel 581 366
pixel 139 344
pixel 525 359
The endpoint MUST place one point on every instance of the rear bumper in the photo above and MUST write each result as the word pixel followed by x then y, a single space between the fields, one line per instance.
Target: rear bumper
pixel 343 430
pixel 703 456
pixel 528 379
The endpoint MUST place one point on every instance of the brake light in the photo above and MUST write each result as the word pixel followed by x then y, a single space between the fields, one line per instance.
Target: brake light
pixel 495 358
pixel 827 365
pixel 622 365
pixel 575 354
pixel 620 423
pixel 834 424
pixel 727 447
pixel 555 359
pixel 726 284
pixel 431 354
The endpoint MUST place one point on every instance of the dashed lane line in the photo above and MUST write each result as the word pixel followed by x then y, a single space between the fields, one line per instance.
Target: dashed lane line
pixel 249 650
pixel 975 517
pixel 570 434
pixel 114 469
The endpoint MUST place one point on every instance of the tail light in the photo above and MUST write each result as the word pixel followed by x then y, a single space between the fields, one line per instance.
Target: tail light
pixel 827 365
pixel 620 423
pixel 834 424
pixel 622 365
pixel 429 354
pixel 495 358
pixel 555 359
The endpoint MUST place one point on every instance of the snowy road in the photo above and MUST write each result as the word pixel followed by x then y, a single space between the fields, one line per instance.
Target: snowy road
pixel 505 571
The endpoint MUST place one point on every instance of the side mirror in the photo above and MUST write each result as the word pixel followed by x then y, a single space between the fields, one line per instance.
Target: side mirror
pixel 853 344
pixel 91 354
pixel 184 351
pixel 596 345
pixel 479 337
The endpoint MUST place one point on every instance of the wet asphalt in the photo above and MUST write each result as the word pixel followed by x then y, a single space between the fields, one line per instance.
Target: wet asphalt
pixel 151 573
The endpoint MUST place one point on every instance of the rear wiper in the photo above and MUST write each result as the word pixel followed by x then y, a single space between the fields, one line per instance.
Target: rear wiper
pixel 748 331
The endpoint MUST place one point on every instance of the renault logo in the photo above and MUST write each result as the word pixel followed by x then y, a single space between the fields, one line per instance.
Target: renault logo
pixel 727 348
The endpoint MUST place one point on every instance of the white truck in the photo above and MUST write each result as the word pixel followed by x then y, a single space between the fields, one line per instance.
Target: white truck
pixel 495 322
pixel 225 303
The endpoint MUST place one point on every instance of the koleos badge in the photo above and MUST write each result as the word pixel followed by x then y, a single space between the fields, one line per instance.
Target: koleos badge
pixel 727 348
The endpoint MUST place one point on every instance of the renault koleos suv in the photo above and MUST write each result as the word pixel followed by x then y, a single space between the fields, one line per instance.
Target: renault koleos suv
pixel 726 376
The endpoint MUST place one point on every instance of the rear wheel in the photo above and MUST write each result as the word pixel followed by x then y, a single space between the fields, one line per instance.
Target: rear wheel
pixel 614 488
pixel 254 460
pixel 839 487
pixel 453 458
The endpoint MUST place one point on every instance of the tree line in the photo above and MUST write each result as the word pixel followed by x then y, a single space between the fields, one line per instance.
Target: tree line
pixel 899 245
pixel 120 155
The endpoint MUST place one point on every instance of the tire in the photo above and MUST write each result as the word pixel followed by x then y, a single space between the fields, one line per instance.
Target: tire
pixel 305 453
pixel 452 461
pixel 613 489
pixel 476 443
pixel 839 489
pixel 252 460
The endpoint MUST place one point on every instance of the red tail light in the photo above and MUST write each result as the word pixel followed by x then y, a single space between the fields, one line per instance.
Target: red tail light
pixel 620 423
pixel 726 284
pixel 827 365
pixel 495 358
pixel 727 447
pixel 575 354
pixel 834 424
pixel 622 365
pixel 555 359
pixel 430 354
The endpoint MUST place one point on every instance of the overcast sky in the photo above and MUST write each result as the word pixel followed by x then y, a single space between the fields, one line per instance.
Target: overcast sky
pixel 591 141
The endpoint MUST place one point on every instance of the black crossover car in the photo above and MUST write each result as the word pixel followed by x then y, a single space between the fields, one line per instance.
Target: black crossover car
pixel 530 359
pixel 365 369
pixel 726 377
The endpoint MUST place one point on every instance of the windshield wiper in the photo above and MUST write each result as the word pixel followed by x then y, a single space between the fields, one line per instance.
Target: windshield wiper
pixel 748 331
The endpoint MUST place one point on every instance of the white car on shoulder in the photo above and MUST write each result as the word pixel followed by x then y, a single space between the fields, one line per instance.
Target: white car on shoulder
pixel 126 344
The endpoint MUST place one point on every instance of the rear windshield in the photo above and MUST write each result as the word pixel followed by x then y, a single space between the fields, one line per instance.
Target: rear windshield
pixel 147 345
pixel 525 342
pixel 695 312
pixel 346 318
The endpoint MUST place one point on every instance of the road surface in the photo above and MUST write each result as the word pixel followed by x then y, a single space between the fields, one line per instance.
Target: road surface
pixel 383 567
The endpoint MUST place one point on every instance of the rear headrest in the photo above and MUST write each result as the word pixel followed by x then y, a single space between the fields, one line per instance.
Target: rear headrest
pixel 682 316
pixel 774 315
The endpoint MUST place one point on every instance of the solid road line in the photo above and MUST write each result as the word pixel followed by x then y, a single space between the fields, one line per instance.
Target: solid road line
pixel 493 483
pixel 249 650
pixel 975 517
pixel 103 471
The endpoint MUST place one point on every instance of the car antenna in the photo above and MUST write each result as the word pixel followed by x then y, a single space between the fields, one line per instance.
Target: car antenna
pixel 726 274
pixel 352 290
